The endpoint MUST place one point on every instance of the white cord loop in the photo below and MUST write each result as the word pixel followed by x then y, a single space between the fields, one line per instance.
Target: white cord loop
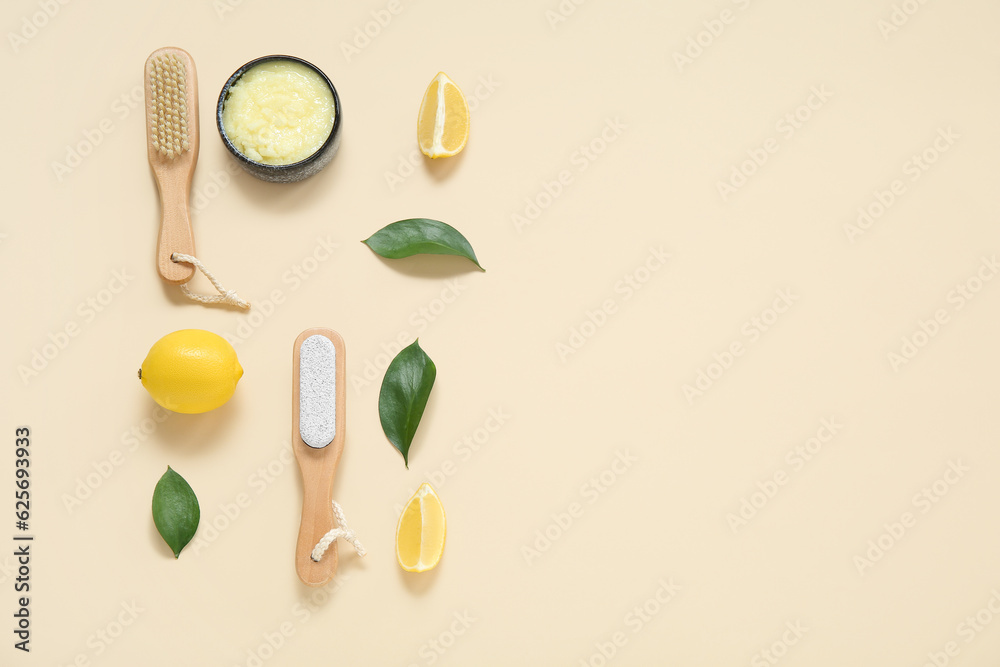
pixel 341 531
pixel 225 297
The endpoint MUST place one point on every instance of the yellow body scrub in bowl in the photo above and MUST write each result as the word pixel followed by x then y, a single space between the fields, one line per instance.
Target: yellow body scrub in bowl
pixel 280 118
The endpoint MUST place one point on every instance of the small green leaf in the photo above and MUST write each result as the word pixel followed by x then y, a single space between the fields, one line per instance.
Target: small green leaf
pixel 401 401
pixel 420 236
pixel 175 511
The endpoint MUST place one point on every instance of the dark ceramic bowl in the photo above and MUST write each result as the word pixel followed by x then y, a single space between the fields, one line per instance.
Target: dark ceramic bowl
pixel 283 173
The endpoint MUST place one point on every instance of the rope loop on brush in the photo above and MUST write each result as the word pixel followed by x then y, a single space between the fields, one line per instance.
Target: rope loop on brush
pixel 225 297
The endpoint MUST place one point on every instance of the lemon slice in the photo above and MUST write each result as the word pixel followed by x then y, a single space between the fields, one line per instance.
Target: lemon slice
pixel 421 531
pixel 443 121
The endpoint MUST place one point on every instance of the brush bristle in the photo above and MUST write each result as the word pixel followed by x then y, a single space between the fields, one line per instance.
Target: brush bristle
pixel 168 85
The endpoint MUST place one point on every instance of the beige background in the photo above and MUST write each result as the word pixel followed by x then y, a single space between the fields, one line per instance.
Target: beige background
pixel 554 87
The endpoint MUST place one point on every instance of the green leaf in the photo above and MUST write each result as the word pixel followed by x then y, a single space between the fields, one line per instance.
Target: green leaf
pixel 401 401
pixel 175 511
pixel 420 236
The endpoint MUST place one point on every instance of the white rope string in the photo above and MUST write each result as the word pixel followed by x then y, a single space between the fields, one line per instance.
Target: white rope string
pixel 227 297
pixel 341 531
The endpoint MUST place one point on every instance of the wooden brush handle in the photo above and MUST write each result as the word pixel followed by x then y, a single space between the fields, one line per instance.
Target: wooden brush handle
pixel 318 467
pixel 175 228
pixel 174 174
pixel 317 520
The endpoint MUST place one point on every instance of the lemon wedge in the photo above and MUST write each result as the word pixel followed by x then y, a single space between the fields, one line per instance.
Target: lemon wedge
pixel 443 121
pixel 421 531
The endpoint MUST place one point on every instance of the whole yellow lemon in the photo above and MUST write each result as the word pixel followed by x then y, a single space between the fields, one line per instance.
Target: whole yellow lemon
pixel 191 371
